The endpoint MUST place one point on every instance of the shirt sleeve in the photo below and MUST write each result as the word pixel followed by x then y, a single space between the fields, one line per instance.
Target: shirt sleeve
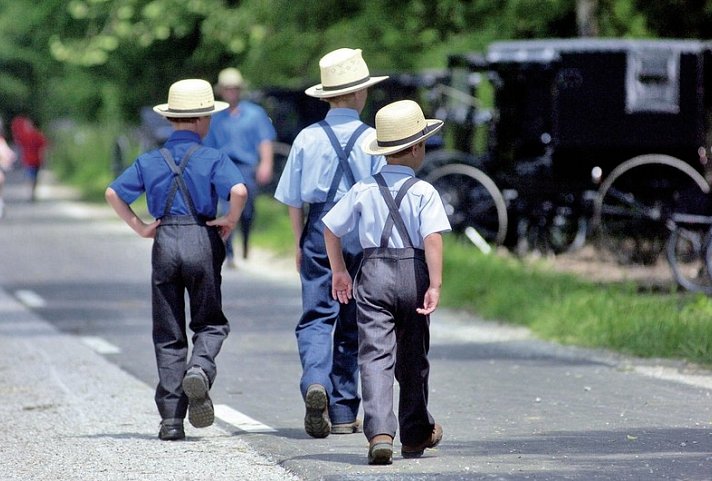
pixel 343 217
pixel 265 128
pixel 225 176
pixel 129 184
pixel 433 217
pixel 288 189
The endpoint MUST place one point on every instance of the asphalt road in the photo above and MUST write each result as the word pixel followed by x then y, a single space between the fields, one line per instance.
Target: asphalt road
pixel 512 407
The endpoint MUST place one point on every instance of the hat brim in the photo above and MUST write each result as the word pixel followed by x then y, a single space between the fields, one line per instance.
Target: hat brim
pixel 370 143
pixel 162 109
pixel 319 92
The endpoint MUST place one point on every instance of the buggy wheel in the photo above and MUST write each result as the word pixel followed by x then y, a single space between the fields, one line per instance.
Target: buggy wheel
pixel 471 200
pixel 686 253
pixel 440 158
pixel 635 201
pixel 281 152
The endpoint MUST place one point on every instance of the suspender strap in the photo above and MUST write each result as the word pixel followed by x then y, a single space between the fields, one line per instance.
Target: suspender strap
pixel 343 154
pixel 394 217
pixel 178 181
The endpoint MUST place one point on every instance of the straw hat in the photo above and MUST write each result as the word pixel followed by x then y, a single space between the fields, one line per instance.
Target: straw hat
pixel 230 78
pixel 190 98
pixel 342 71
pixel 399 125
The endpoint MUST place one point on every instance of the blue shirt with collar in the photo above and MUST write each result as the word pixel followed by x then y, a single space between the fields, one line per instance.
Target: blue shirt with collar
pixel 312 161
pixel 239 132
pixel 209 174
pixel 363 206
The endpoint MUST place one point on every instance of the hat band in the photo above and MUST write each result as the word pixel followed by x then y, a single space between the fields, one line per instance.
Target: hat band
pixel 182 111
pixel 395 143
pixel 328 88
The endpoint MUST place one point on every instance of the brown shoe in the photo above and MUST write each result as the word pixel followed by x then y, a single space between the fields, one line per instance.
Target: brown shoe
pixel 346 428
pixel 416 451
pixel 380 449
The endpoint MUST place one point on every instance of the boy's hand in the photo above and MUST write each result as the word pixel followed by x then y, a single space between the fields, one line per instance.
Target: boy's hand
pixel 341 286
pixel 148 231
pixel 432 298
pixel 225 225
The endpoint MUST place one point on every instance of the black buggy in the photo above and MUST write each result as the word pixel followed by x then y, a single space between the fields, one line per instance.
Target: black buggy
pixel 585 138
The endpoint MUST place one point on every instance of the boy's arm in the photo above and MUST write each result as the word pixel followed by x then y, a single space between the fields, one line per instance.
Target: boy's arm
pixel 341 284
pixel 129 216
pixel 296 219
pixel 227 222
pixel 434 260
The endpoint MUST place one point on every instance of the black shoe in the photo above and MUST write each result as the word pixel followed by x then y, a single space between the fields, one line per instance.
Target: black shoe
pixel 316 421
pixel 201 413
pixel 416 451
pixel 171 430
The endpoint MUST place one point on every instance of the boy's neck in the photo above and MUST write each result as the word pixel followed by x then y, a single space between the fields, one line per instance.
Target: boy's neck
pixel 405 161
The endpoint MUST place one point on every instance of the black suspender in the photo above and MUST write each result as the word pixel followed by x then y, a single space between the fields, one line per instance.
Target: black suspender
pixel 178 181
pixel 394 217
pixel 343 153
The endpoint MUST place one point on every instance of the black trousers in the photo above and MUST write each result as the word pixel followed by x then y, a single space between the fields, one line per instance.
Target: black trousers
pixel 186 257
pixel 394 339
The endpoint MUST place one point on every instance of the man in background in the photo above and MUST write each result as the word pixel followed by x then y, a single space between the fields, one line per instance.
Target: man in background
pixel 245 133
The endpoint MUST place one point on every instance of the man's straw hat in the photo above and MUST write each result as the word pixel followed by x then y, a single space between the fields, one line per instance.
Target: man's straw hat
pixel 230 78
pixel 342 71
pixel 190 98
pixel 399 125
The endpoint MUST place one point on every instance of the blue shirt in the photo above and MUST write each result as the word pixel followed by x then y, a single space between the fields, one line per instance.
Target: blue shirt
pixel 209 174
pixel 239 133
pixel 364 206
pixel 312 161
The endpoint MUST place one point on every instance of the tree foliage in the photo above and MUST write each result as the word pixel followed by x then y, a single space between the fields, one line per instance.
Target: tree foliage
pixel 97 59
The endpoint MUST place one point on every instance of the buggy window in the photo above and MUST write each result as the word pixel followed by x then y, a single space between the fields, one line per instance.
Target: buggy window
pixel 653 81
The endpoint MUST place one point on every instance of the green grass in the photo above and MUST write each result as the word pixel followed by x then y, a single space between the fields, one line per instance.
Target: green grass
pixel 567 309
pixel 272 230
pixel 554 306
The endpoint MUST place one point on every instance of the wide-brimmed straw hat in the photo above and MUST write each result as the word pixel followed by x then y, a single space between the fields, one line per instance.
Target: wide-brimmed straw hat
pixel 399 125
pixel 230 78
pixel 342 71
pixel 190 98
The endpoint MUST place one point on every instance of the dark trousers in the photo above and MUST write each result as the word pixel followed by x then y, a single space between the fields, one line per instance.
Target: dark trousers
pixel 186 257
pixel 394 338
pixel 327 336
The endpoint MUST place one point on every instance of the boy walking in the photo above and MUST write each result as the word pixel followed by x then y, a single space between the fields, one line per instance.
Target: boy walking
pixel 325 161
pixel 400 220
pixel 183 181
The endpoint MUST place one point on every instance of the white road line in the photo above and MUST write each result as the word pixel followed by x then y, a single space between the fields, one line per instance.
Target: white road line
pixel 30 298
pixel 100 345
pixel 241 421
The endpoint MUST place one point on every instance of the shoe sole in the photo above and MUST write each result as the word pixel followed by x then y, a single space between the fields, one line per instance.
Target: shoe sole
pixel 172 437
pixel 201 413
pixel 316 420
pixel 381 453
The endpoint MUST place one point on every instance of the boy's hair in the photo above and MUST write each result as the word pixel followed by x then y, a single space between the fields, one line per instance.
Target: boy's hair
pixel 190 120
pixel 401 153
pixel 340 98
